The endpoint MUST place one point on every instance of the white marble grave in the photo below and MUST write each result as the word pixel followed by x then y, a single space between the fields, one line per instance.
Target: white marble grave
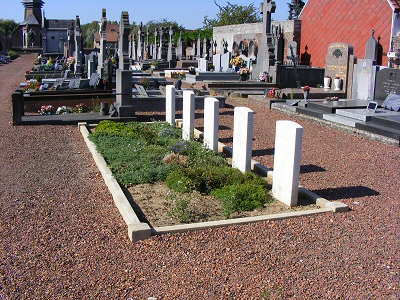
pixel 243 122
pixel 170 104
pixel 287 158
pixel 211 123
pixel 188 115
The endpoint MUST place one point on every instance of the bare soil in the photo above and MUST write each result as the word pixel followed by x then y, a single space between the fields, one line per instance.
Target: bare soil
pixel 151 203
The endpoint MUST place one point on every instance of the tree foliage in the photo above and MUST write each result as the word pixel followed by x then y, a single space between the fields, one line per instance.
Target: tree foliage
pixel 7 26
pixel 88 31
pixel 233 14
pixel 295 9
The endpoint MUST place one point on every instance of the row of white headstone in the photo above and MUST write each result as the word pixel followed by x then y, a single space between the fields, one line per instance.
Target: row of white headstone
pixel 288 141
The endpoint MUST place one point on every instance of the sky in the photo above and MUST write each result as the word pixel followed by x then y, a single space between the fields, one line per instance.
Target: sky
pixel 188 13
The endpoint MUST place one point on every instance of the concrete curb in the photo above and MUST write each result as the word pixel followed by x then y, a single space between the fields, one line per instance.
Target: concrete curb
pixel 140 231
pixel 136 230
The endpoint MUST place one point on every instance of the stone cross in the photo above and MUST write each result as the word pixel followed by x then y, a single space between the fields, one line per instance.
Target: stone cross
pixel 124 29
pixel 266 51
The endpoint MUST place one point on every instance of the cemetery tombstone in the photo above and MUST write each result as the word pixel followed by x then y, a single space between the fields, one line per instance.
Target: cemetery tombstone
pixel 243 127
pixel 170 105
pixel 387 81
pixel 78 47
pixel 287 159
pixel 188 115
pixel 202 64
pixel 337 62
pixel 225 61
pixel 217 62
pixel 371 49
pixel 124 75
pixel 364 79
pixel 102 54
pixel 211 123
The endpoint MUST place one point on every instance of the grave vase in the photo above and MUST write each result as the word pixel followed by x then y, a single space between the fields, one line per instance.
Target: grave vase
pixel 327 82
pixel 338 83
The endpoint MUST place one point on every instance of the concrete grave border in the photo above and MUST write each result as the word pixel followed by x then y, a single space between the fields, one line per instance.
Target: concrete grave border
pixel 140 231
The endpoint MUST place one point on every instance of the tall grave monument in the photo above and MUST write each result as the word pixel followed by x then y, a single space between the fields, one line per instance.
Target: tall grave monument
pixel 102 54
pixel 266 57
pixel 124 75
pixel 78 47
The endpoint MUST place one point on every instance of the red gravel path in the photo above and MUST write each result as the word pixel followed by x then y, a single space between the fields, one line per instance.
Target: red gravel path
pixel 63 238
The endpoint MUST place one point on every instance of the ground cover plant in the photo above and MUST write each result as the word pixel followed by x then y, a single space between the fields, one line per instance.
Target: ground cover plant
pixel 139 153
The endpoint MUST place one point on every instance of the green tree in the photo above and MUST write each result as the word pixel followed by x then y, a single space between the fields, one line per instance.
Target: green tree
pixel 88 31
pixel 233 14
pixel 295 9
pixel 7 26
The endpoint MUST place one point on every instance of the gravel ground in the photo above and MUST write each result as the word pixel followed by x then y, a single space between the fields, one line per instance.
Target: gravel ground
pixel 63 238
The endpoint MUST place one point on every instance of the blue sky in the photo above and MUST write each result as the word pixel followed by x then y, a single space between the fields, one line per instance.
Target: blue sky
pixel 188 13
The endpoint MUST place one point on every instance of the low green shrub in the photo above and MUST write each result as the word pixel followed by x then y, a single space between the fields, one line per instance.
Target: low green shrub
pixel 179 206
pixel 242 197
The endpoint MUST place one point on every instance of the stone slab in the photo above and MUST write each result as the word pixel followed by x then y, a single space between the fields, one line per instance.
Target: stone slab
pixel 340 119
pixel 364 114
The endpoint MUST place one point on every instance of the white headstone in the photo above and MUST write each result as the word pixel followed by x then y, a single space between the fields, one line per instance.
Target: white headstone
pixel 287 158
pixel 202 64
pixel 225 59
pixel 217 62
pixel 170 104
pixel 188 115
pixel 243 122
pixel 211 123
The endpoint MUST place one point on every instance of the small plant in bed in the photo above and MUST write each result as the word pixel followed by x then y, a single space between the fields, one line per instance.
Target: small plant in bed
pixel 151 152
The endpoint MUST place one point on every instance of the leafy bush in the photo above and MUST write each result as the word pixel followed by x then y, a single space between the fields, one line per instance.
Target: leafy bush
pixel 242 197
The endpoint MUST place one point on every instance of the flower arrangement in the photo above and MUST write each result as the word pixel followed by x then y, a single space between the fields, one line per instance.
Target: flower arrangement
pixel 327 76
pixel 81 108
pixel 271 93
pixel 192 70
pixel 306 88
pixel 263 76
pixel 27 71
pixel 244 72
pixel 32 85
pixel 332 99
pixel 337 77
pixel 237 62
pixel 46 110
pixel 70 61
pixel 63 110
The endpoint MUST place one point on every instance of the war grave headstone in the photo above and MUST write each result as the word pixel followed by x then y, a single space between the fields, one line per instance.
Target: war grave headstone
pixel 170 105
pixel 188 115
pixel 364 79
pixel 243 127
pixel 337 62
pixel 287 159
pixel 211 123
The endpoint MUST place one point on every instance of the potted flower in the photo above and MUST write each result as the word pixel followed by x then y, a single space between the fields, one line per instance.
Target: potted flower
pixel 154 64
pixel 243 73
pixel 306 91
pixel 338 83
pixel 263 77
pixel 327 82
pixel 192 70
